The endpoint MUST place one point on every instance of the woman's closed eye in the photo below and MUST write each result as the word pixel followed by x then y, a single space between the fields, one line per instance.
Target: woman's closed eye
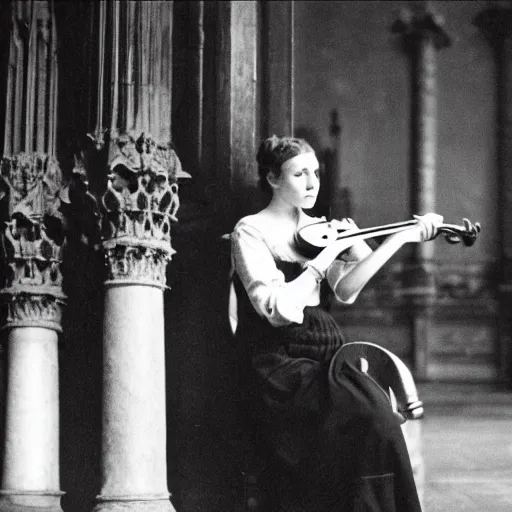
pixel 305 171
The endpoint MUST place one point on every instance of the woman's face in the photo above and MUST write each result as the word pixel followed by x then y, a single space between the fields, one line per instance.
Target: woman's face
pixel 298 183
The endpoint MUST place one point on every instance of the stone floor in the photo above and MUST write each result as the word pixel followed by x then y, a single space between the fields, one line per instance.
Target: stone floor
pixel 467 448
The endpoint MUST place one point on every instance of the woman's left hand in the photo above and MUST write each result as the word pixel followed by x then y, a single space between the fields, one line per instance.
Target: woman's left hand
pixel 426 228
pixel 360 249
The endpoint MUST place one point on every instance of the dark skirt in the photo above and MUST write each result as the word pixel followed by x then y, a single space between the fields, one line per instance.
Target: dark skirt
pixel 333 440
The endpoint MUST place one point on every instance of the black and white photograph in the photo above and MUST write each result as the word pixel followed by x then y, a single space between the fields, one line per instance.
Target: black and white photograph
pixel 255 256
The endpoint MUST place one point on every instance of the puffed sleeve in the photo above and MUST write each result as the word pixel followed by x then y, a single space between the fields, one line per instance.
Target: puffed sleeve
pixel 336 272
pixel 264 282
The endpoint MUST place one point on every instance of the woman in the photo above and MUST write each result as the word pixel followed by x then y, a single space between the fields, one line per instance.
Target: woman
pixel 334 441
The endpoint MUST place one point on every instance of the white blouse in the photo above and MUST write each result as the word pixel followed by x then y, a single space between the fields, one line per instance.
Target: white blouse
pixel 256 244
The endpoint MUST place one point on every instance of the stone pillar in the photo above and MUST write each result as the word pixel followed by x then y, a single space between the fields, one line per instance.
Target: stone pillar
pixel 137 214
pixel 423 35
pixel 31 253
pixel 496 24
pixel 137 249
pixel 137 206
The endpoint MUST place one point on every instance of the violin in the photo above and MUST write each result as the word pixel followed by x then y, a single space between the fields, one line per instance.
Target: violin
pixel 311 239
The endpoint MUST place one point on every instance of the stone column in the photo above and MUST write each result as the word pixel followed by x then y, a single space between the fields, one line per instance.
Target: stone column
pixel 31 252
pixel 137 213
pixel 496 24
pixel 137 206
pixel 423 35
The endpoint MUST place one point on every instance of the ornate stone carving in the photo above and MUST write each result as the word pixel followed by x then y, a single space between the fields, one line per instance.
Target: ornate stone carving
pixel 32 182
pixel 132 218
pixel 136 264
pixel 32 239
pixel 30 310
pixel 141 199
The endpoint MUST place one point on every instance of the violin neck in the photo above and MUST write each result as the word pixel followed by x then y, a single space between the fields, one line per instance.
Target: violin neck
pixel 377 231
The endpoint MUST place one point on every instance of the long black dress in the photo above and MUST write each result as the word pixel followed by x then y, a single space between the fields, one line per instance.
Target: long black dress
pixel 335 444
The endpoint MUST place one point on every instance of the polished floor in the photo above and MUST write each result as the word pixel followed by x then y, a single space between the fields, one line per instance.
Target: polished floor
pixel 467 448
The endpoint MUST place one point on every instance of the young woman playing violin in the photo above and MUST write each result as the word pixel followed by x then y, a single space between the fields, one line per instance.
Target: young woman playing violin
pixel 335 444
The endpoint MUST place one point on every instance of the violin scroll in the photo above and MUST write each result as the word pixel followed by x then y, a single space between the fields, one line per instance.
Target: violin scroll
pixel 455 234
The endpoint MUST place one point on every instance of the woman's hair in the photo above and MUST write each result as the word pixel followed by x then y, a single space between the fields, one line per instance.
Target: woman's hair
pixel 273 152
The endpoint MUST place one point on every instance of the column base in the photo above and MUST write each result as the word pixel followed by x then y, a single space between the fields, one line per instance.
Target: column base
pixel 136 505
pixel 19 501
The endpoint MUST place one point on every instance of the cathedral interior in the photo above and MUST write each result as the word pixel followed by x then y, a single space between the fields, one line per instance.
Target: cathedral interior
pixel 142 120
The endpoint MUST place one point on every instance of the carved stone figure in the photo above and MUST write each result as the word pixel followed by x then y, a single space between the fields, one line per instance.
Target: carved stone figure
pixel 33 236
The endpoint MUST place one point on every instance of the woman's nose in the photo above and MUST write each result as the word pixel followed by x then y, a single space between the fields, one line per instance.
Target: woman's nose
pixel 311 182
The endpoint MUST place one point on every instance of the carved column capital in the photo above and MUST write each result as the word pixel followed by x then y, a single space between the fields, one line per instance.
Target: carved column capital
pixel 135 264
pixel 31 310
pixel 31 240
pixel 424 24
pixel 139 205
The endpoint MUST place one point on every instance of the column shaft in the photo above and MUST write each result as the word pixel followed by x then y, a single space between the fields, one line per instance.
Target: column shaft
pixel 423 196
pixel 423 34
pixel 425 141
pixel 31 460
pixel 134 422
